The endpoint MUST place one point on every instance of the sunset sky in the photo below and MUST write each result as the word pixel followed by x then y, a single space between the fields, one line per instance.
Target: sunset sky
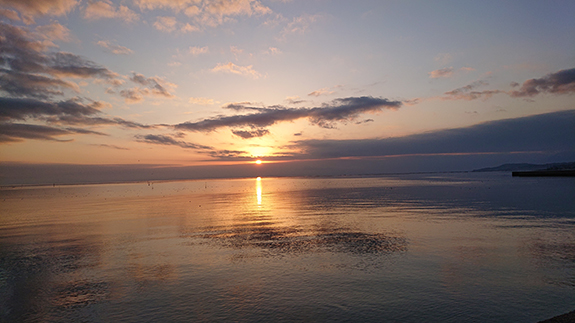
pixel 348 86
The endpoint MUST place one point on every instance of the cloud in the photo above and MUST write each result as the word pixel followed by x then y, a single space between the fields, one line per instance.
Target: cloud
pixel 236 69
pixel 166 24
pixel 198 50
pixel 299 25
pixel 54 31
pixel 99 121
pixel 246 134
pixel 466 93
pixel 441 73
pixel 15 132
pixel 106 10
pixel 236 51
pixel 133 95
pixel 364 121
pixel 110 146
pixel 202 13
pixel 71 65
pixel 21 109
pixel 551 133
pixel 294 100
pixel 155 84
pixel 339 110
pixel 273 51
pixel 236 7
pixel 168 140
pixel 30 9
pixel 9 14
pixel 320 92
pixel 561 82
pixel 29 70
pixel 201 101
pixel 171 24
pixel 187 28
pixel 176 5
pixel 114 49
pixel 69 112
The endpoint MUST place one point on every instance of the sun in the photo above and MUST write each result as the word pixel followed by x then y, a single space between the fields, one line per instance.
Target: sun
pixel 258 162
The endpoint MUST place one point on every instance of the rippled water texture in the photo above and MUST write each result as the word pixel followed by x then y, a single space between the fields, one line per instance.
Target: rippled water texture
pixel 437 248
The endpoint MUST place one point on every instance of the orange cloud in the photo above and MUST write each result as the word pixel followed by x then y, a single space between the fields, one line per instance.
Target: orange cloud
pixel 236 69
pixel 105 9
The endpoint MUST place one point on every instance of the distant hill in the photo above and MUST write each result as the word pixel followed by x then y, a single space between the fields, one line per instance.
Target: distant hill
pixel 527 167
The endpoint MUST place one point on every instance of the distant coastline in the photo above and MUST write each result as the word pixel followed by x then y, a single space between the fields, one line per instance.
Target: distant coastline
pixel 534 170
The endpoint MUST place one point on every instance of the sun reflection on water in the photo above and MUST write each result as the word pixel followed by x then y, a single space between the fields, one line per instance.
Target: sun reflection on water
pixel 259 190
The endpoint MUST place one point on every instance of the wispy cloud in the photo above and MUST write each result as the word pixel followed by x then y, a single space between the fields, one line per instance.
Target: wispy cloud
pixel 273 51
pixel 247 134
pixel 201 101
pixel 15 132
pixel 320 92
pixel 560 82
pixel 114 48
pixel 69 112
pixel 441 73
pixel 467 93
pixel 237 69
pixel 155 85
pixel 339 110
pixel 169 140
pixel 195 50
pixel 106 10
pixel 299 25
pixel 54 31
pixel 294 100
pixel 448 72
pixel 110 146
pixel 21 109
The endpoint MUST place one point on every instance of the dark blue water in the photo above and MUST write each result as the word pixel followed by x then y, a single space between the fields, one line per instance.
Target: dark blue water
pixel 433 248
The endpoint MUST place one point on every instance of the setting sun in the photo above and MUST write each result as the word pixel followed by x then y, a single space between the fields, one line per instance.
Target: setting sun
pixel 258 162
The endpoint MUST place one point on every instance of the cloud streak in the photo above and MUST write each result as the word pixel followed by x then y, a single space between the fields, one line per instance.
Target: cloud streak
pixel 232 68
pixel 168 140
pixel 15 132
pixel 113 48
pixel 339 110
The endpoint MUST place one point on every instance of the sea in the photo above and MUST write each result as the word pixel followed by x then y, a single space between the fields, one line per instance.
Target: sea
pixel 453 247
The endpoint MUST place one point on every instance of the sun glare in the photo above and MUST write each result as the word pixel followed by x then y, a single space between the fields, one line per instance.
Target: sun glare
pixel 258 162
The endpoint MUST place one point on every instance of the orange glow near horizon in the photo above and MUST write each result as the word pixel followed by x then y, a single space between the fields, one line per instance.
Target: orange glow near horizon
pixel 259 162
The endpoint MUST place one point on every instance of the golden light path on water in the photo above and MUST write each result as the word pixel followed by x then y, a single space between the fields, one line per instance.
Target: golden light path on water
pixel 259 190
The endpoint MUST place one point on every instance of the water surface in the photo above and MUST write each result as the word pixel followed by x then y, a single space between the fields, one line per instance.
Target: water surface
pixel 433 248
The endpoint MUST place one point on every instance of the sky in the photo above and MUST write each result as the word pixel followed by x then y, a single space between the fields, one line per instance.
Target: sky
pixel 203 88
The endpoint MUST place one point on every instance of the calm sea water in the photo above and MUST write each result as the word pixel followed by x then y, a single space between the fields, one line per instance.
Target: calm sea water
pixel 435 248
